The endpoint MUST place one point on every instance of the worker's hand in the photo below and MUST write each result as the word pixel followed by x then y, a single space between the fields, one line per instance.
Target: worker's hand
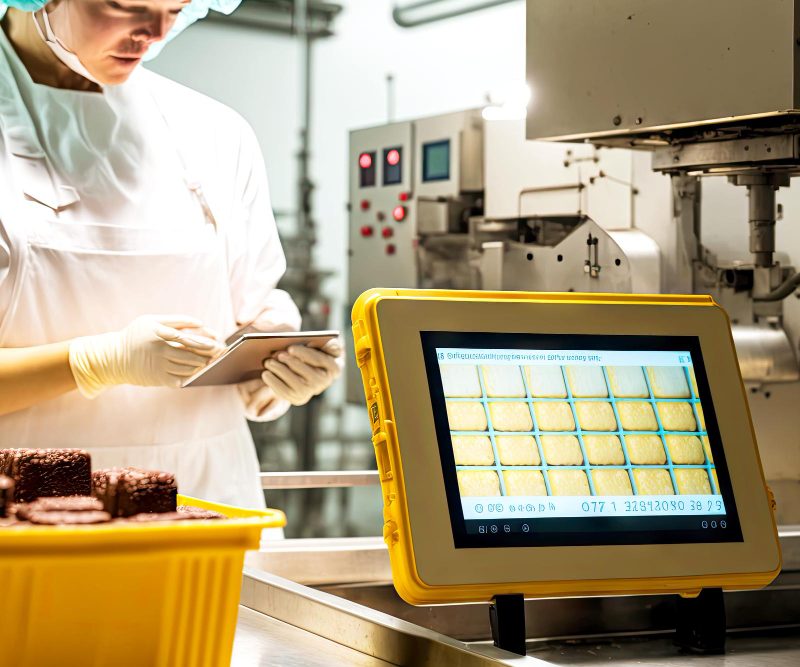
pixel 152 351
pixel 301 372
pixel 260 402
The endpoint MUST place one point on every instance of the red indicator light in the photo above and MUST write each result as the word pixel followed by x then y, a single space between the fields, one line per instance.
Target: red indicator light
pixel 390 249
pixel 403 196
pixel 366 230
pixel 387 232
pixel 393 157
pixel 365 160
pixel 399 213
pixel 365 204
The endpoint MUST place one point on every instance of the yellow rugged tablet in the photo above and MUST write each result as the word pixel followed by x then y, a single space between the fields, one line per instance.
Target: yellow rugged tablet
pixel 561 444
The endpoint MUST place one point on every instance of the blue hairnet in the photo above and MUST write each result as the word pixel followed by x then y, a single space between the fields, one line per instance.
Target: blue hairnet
pixel 194 11
pixel 24 5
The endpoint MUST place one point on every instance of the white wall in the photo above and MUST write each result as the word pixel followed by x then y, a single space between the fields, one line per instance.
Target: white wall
pixel 442 67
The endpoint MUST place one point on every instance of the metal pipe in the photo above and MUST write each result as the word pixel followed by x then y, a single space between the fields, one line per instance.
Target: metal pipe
pixel 390 98
pixel 762 222
pixel 401 12
pixel 319 479
pixel 786 288
pixel 279 16
pixel 305 221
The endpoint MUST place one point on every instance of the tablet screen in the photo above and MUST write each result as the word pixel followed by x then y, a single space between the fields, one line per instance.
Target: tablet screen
pixel 551 440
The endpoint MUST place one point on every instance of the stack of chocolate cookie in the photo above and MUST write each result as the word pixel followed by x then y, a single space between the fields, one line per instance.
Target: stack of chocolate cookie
pixel 47 472
pixel 57 486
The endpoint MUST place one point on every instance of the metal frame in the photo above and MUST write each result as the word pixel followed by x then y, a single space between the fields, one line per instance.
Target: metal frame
pixel 319 479
pixel 780 151
pixel 403 13
pixel 280 16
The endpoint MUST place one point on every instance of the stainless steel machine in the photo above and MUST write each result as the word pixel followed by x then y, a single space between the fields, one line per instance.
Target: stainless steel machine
pixel 711 93
pixel 509 214
pixel 461 201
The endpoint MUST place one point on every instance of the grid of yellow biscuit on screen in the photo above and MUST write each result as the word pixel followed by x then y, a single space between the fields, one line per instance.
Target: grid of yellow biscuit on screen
pixel 577 430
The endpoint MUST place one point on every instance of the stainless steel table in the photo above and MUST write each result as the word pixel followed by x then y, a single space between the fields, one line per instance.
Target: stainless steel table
pixel 285 623
pixel 353 617
pixel 762 649
pixel 262 641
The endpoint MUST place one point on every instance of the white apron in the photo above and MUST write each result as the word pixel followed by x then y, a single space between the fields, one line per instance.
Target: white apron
pixel 72 278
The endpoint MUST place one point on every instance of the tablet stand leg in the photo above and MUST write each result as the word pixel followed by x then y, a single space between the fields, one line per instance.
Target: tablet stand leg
pixel 701 622
pixel 507 618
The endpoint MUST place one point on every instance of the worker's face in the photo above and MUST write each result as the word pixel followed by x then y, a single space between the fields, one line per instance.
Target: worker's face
pixel 111 36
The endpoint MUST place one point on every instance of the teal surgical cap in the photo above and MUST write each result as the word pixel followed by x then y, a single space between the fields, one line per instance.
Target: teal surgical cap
pixel 24 5
pixel 196 10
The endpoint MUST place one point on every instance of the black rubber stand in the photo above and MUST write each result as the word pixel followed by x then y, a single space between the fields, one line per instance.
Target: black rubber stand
pixel 507 618
pixel 701 622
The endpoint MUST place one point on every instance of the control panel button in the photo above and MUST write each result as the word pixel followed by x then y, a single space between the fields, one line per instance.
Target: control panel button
pixel 367 231
pixel 392 166
pixel 365 204
pixel 387 232
pixel 390 249
pixel 399 213
pixel 381 216
pixel 404 196
pixel 366 169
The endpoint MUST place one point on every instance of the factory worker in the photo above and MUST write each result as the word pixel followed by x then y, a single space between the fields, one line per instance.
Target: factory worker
pixel 135 225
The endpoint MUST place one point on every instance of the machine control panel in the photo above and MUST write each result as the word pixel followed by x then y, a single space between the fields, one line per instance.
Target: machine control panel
pixel 382 230
pixel 380 190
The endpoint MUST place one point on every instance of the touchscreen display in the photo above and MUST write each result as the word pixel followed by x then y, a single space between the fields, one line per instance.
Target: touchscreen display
pixel 577 439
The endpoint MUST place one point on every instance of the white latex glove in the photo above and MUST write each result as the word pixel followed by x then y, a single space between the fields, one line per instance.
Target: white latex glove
pixel 260 402
pixel 301 372
pixel 152 351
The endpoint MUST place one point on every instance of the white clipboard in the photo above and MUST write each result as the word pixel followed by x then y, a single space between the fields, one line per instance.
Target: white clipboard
pixel 243 359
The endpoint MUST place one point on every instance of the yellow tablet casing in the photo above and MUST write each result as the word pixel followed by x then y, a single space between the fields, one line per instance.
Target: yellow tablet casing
pixel 397 532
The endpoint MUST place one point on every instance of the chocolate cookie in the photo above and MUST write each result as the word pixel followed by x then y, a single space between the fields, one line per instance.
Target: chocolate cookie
pixel 68 518
pixel 47 472
pixel 190 512
pixel 60 504
pixel 128 491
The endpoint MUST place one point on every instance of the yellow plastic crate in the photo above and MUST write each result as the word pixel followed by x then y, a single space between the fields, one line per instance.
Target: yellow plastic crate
pixel 155 594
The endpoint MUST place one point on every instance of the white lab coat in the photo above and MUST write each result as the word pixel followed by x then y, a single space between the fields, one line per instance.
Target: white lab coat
pixel 98 226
